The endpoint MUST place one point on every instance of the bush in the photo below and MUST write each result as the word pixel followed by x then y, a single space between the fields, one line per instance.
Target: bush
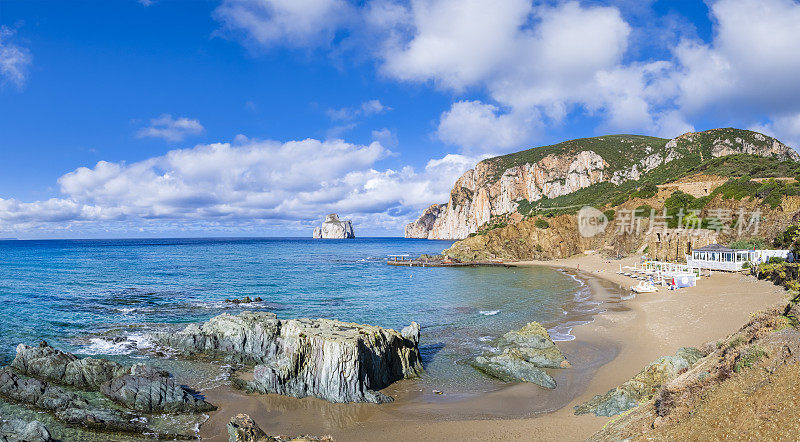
pixel 609 214
pixel 649 190
pixel 788 238
pixel 541 224
pixel 749 244
pixel 644 211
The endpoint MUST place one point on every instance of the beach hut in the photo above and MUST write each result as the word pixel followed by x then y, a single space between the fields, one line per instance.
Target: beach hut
pixel 717 257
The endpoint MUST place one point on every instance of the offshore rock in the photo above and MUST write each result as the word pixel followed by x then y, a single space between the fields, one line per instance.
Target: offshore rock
pixel 48 363
pixel 642 386
pixel 331 360
pixel 332 228
pixel 17 430
pixel 150 390
pixel 523 354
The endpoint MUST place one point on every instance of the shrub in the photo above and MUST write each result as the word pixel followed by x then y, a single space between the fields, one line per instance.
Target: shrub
pixel 649 190
pixel 644 210
pixel 609 214
pixel 749 357
pixel 541 224
pixel 749 244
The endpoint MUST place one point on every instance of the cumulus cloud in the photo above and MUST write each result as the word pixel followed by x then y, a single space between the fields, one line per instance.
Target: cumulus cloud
pixel 249 182
pixel 294 23
pixel 483 128
pixel 15 60
pixel 171 129
pixel 785 128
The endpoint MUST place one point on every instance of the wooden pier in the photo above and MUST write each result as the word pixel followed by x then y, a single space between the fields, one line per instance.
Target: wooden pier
pixel 406 261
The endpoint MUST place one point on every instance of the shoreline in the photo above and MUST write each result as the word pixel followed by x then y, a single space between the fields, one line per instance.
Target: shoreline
pixel 635 331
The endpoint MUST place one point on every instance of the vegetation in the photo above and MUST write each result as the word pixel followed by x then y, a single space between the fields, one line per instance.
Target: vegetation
pixel 749 357
pixel 751 243
pixel 541 224
pixel 609 214
pixel 648 190
pixel 788 239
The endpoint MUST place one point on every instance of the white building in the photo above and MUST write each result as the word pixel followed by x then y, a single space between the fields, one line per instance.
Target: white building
pixel 717 257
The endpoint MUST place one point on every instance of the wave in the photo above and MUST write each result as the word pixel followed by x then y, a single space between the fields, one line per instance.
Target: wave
pixel 489 312
pixel 123 345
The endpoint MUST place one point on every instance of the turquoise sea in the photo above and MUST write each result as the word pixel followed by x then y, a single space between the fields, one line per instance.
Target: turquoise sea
pixel 100 297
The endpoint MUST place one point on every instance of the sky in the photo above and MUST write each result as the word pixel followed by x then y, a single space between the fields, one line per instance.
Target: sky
pixel 157 118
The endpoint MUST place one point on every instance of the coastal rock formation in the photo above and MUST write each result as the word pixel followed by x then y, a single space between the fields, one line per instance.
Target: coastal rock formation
pixel 242 428
pixel 523 354
pixel 642 386
pixel 53 365
pixel 150 390
pixel 331 360
pixel 497 186
pixel 332 228
pixel 17 430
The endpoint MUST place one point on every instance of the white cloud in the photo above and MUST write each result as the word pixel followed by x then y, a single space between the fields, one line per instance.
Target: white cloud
pixel 386 137
pixel 293 23
pixel 15 60
pixel 249 183
pixel 480 127
pixel 171 129
pixel 785 128
pixel 365 109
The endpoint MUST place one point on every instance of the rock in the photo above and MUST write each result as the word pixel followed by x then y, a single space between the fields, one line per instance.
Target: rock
pixel 17 430
pixel 331 360
pixel 66 406
pixel 245 300
pixel 47 363
pixel 149 390
pixel 512 368
pixel 523 354
pixel 332 228
pixel 242 428
pixel 642 386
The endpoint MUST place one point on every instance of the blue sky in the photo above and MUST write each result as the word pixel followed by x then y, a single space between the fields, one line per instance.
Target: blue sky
pixel 233 117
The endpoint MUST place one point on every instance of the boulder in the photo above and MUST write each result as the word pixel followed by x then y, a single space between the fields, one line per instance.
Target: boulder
pixel 17 430
pixel 522 355
pixel 245 300
pixel 150 390
pixel 331 360
pixel 48 363
pixel 332 228
pixel 643 386
pixel 242 428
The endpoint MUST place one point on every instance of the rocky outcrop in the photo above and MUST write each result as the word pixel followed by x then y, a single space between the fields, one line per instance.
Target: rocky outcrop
pixel 242 428
pixel 496 186
pixel 32 377
pixel 17 430
pixel 150 390
pixel 332 228
pixel 522 355
pixel 642 386
pixel 332 360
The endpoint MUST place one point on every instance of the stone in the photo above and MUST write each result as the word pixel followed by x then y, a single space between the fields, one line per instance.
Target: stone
pixel 643 386
pixel 63 368
pixel 245 300
pixel 331 360
pixel 332 228
pixel 242 428
pixel 522 356
pixel 150 390
pixel 17 430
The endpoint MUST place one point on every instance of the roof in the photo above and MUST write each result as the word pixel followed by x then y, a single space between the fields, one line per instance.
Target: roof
pixel 714 248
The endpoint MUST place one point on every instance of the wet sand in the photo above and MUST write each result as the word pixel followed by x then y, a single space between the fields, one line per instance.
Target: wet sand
pixel 605 353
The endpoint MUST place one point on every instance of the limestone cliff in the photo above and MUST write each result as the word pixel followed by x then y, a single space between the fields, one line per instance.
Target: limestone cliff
pixel 332 228
pixel 497 186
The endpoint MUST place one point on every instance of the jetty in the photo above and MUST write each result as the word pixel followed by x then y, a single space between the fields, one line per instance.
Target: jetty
pixel 440 261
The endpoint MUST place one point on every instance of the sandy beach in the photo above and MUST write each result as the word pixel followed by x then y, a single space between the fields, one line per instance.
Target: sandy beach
pixel 606 352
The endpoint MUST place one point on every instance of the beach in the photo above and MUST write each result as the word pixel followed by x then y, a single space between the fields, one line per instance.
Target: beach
pixel 607 351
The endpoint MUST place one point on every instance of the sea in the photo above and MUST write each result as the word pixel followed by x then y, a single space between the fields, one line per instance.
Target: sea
pixel 102 297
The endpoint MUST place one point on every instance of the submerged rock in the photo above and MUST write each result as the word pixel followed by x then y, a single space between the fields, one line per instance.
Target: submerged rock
pixel 242 428
pixel 332 228
pixel 642 386
pixel 331 360
pixel 17 430
pixel 523 354
pixel 245 300
pixel 48 363
pixel 146 389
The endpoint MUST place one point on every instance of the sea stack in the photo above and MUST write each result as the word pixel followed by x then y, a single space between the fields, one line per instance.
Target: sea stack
pixel 333 228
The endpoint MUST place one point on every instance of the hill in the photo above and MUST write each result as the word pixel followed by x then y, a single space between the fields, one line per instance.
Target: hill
pixel 595 171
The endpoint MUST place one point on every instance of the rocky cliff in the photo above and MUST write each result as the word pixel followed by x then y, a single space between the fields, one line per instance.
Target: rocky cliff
pixel 332 228
pixel 497 186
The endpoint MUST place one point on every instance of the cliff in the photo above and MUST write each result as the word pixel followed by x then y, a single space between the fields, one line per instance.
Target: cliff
pixel 500 185
pixel 332 228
